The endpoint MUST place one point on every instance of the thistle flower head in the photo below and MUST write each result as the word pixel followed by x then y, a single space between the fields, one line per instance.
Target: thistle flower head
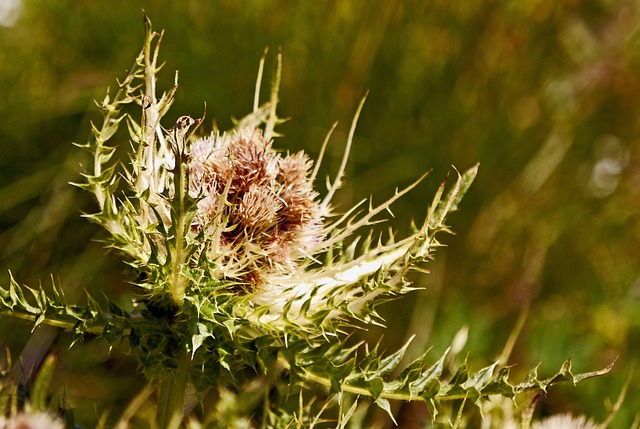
pixel 256 207
pixel 225 218
pixel 36 420
pixel 564 421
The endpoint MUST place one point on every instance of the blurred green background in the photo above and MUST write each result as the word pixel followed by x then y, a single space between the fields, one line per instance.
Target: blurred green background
pixel 543 93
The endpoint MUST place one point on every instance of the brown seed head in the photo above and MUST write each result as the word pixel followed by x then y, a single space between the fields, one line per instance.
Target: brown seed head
pixel 258 202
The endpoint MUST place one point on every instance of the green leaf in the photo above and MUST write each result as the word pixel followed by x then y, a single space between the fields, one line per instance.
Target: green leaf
pixel 386 406
pixel 390 363
pixel 346 417
pixel 499 385
pixel 40 391
pixel 423 383
pixel 375 387
pixel 225 359
pixel 466 180
pixel 115 309
pixel 197 338
pixel 480 379
pixel 112 332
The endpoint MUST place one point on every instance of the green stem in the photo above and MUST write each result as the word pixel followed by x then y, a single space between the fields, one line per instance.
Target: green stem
pixel 172 389
pixel 51 322
pixel 325 381
pixel 153 110
pixel 178 257
pixel 171 393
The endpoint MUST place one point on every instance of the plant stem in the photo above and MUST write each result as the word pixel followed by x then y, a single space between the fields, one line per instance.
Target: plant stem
pixel 171 393
pixel 97 329
pixel 325 381
pixel 179 254
pixel 174 386
pixel 177 258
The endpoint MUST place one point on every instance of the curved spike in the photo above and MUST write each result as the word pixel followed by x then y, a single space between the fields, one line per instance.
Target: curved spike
pixel 343 165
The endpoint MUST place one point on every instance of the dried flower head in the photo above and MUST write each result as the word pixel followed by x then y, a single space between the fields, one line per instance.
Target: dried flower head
pixel 256 207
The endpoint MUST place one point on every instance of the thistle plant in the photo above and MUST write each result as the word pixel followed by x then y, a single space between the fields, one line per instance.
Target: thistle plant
pixel 248 280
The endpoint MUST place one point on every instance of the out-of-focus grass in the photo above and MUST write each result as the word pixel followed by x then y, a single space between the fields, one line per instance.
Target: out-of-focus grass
pixel 543 94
